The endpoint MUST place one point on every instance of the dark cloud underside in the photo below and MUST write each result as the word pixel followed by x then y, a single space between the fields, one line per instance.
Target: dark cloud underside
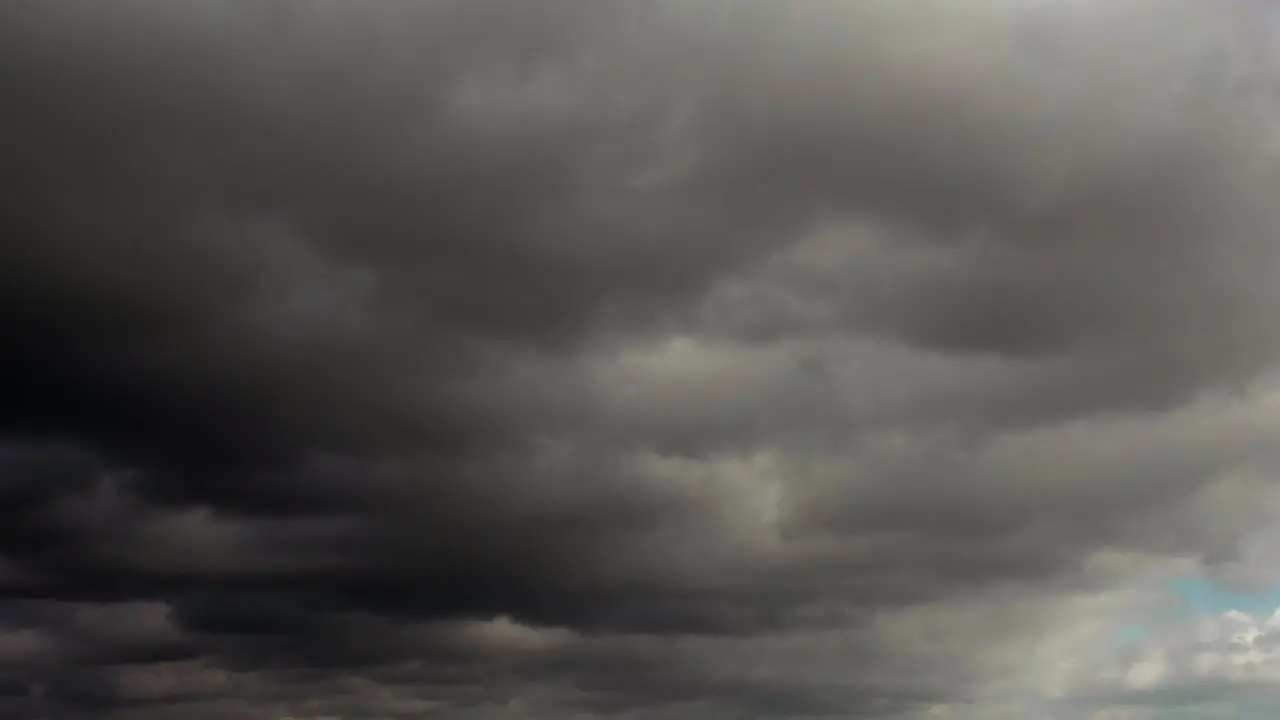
pixel 476 359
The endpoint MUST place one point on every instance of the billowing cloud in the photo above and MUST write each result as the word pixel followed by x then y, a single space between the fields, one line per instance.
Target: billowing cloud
pixel 655 360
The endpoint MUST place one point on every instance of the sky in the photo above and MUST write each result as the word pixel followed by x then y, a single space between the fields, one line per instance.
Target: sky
pixel 1205 597
pixel 670 360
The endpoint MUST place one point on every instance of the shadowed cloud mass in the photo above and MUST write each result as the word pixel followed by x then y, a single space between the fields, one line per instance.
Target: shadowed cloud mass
pixel 679 359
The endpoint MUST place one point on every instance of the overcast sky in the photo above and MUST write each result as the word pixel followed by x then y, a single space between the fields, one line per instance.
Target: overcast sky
pixel 670 359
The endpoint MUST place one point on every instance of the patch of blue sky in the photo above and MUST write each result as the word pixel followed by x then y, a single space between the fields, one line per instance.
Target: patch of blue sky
pixel 1130 634
pixel 1200 596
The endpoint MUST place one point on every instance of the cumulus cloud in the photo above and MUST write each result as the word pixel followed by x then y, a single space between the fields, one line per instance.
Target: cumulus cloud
pixel 654 360
pixel 1218 663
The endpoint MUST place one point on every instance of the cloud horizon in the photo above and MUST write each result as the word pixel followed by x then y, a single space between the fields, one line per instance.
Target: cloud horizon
pixel 682 359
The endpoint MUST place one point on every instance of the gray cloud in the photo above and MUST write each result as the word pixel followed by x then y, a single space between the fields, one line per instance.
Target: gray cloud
pixel 662 360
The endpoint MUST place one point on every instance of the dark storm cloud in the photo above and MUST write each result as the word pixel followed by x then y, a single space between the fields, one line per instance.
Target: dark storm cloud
pixel 667 334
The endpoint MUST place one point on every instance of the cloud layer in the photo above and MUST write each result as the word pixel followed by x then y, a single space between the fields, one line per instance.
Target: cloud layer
pixel 663 360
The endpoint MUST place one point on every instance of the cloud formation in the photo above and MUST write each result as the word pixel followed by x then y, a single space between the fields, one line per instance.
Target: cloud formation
pixel 654 360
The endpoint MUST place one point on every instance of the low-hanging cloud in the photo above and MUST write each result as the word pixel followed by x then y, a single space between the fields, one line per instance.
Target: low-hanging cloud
pixel 661 360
